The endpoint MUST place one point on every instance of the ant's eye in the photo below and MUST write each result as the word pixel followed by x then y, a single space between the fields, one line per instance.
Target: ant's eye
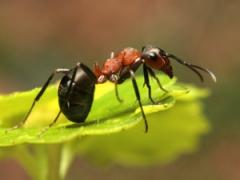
pixel 153 56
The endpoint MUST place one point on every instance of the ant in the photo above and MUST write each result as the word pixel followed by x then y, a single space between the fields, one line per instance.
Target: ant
pixel 77 86
pixel 124 64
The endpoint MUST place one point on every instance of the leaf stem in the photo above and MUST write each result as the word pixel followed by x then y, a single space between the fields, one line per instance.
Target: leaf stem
pixel 54 158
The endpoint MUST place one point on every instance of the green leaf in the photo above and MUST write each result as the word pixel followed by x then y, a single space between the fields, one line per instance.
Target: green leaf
pixel 172 133
pixel 107 114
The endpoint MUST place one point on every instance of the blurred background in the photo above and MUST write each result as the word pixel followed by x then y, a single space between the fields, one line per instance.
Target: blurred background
pixel 38 36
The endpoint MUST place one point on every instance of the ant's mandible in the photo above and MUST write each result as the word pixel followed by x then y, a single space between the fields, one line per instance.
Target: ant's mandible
pixel 123 65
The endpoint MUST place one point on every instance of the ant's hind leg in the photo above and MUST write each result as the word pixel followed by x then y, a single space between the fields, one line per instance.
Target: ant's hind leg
pixel 67 98
pixel 50 125
pixel 39 95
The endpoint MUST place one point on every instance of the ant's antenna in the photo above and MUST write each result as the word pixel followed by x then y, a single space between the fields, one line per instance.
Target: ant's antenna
pixel 193 67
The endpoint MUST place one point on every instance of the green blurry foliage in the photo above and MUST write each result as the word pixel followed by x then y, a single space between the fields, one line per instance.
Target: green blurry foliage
pixel 112 133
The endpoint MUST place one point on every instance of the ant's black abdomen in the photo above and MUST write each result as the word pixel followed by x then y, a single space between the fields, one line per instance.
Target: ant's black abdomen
pixel 76 103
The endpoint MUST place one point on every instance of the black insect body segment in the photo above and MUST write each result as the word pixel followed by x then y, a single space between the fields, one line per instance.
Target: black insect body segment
pixel 76 103
pixel 75 94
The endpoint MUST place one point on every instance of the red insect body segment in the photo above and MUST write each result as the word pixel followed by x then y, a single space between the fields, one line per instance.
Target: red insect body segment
pixel 158 64
pixel 154 59
pixel 167 68
pixel 111 66
pixel 109 70
pixel 123 65
pixel 161 64
pixel 97 70
pixel 128 56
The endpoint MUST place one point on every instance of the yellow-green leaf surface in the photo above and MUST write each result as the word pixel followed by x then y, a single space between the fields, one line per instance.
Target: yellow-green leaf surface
pixel 172 133
pixel 112 133
pixel 106 116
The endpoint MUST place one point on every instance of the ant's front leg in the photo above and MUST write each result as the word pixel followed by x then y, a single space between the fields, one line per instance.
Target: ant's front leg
pixel 146 81
pixel 156 79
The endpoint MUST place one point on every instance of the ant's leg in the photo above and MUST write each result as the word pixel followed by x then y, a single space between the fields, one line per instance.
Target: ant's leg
pixel 50 125
pixel 117 93
pixel 55 120
pixel 156 79
pixel 146 81
pixel 65 71
pixel 67 97
pixel 72 80
pixel 138 98
pixel 114 78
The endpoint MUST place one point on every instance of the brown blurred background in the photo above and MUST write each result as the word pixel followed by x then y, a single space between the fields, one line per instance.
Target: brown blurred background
pixel 38 36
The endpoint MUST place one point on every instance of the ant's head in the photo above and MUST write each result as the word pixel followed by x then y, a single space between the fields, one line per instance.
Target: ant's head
pixel 156 58
pixel 150 53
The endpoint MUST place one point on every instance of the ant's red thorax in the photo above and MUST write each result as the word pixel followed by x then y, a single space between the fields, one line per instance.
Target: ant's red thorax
pixel 111 66
pixel 114 64
pixel 128 56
